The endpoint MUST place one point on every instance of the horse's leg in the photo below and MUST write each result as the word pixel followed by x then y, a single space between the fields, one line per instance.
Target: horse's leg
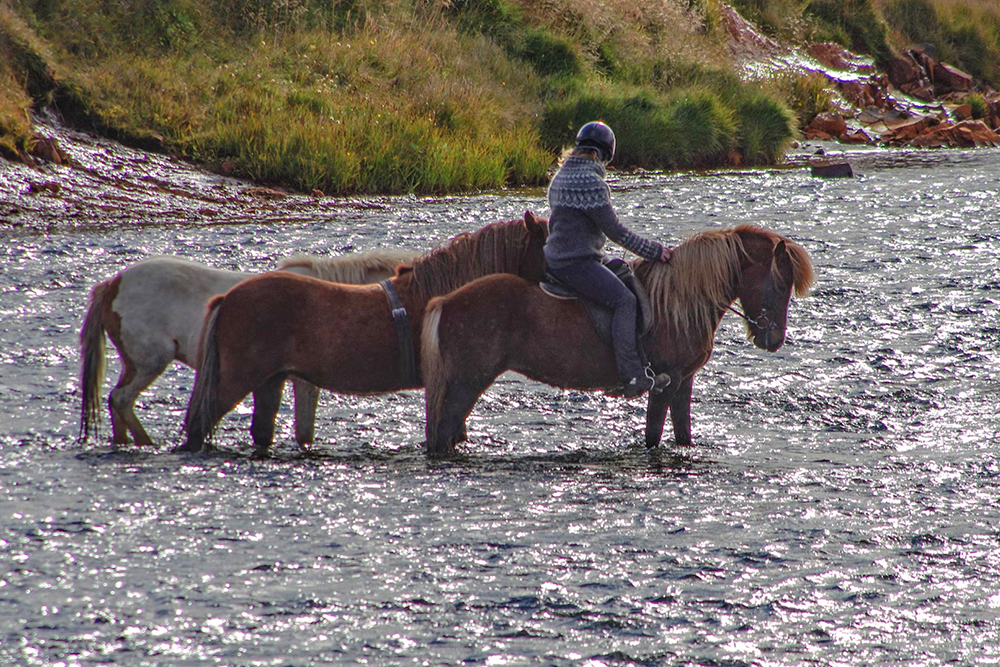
pixel 266 401
pixel 133 381
pixel 656 415
pixel 446 428
pixel 306 398
pixel 680 411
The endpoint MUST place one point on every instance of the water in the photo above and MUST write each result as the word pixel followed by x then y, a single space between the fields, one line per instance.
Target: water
pixel 838 507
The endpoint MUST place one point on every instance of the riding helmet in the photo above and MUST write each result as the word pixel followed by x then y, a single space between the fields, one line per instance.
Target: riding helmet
pixel 599 136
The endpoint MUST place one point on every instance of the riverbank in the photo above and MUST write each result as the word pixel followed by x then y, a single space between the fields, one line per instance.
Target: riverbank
pixel 404 97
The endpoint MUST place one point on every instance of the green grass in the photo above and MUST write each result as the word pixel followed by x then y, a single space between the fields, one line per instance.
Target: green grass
pixel 386 96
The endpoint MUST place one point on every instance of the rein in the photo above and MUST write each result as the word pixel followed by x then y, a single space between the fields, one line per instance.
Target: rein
pixel 407 355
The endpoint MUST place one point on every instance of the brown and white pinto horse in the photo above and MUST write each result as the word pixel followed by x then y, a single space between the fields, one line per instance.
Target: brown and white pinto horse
pixel 502 323
pixel 338 337
pixel 153 311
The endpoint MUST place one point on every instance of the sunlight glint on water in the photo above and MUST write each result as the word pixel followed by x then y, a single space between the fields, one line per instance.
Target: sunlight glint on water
pixel 839 506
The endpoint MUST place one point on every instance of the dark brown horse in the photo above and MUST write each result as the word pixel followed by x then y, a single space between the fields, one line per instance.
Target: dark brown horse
pixel 338 337
pixel 501 323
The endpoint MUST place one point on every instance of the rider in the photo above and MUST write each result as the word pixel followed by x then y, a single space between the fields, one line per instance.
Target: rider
pixel 580 222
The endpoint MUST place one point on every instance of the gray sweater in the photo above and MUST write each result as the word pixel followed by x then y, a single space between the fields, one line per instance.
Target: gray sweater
pixel 582 218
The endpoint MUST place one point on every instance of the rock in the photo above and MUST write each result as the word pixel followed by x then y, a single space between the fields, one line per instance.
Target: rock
pixel 949 79
pixel 834 56
pixel 48 149
pixel 923 92
pixel 51 187
pixel 903 70
pixel 962 112
pixel 966 134
pixel 831 170
pixel 922 57
pixel 261 192
pixel 902 134
pixel 830 124
pixel 856 137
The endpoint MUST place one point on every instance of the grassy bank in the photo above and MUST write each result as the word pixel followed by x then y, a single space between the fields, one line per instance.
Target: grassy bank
pixel 387 96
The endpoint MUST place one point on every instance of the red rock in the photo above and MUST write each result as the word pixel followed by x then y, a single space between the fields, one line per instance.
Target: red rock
pixel 967 134
pixel 962 112
pixel 903 70
pixel 907 132
pixel 48 149
pixel 978 132
pixel 818 135
pixel 948 79
pixel 856 137
pixel 831 123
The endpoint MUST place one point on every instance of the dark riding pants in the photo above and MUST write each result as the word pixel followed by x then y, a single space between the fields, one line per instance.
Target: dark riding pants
pixel 596 282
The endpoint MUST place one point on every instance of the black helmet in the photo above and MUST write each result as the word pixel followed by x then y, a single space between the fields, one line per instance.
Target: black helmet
pixel 596 134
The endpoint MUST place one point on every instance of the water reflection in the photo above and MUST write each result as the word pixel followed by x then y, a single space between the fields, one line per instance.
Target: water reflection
pixel 838 506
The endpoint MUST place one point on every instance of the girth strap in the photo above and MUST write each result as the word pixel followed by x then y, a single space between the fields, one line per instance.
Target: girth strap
pixel 407 356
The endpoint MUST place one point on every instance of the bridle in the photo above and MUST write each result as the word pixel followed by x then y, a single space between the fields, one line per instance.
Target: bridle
pixel 757 324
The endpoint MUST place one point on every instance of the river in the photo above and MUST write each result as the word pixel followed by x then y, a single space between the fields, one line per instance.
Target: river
pixel 838 507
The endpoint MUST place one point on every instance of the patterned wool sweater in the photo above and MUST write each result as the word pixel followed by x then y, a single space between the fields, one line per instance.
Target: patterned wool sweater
pixel 582 218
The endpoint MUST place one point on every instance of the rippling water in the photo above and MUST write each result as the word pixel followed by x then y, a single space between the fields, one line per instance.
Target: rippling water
pixel 839 506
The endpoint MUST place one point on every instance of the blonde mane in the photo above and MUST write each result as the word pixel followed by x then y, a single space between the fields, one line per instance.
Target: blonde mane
pixel 356 268
pixel 699 281
pixel 496 248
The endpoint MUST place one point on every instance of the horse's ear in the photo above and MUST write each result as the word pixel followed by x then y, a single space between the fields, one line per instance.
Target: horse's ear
pixel 781 257
pixel 534 226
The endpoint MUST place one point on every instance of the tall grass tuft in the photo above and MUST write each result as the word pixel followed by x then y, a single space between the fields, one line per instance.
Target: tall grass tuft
pixel 766 127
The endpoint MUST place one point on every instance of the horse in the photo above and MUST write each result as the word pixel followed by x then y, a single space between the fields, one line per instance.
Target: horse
pixel 344 338
pixel 153 312
pixel 502 323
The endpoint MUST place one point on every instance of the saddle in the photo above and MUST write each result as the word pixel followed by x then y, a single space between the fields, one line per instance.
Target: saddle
pixel 601 316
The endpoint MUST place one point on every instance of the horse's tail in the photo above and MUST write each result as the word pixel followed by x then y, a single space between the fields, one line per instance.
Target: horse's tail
pixel 92 353
pixel 201 412
pixel 432 367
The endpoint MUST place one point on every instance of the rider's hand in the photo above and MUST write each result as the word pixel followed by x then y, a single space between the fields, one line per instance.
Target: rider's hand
pixel 666 254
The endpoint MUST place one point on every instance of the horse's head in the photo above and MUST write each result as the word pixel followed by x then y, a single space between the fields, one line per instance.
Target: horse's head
pixel 773 268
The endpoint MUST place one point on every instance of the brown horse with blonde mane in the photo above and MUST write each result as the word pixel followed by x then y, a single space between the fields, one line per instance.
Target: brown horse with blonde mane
pixel 345 338
pixel 502 323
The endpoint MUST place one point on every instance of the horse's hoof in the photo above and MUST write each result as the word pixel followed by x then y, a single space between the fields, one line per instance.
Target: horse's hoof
pixel 187 448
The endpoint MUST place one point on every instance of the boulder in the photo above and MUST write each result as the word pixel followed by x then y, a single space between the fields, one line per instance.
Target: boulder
pixel 949 79
pixel 966 134
pixel 48 149
pixel 906 132
pixel 962 112
pixel 831 124
pixel 831 170
pixel 903 70
pixel 856 137
pixel 921 91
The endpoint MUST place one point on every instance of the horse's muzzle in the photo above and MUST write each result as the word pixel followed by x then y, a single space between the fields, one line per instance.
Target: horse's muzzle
pixel 770 339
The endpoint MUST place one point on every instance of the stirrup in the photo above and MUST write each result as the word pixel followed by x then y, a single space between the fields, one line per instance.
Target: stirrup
pixel 660 383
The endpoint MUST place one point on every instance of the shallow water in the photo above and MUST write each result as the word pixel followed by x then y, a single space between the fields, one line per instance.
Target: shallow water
pixel 838 507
